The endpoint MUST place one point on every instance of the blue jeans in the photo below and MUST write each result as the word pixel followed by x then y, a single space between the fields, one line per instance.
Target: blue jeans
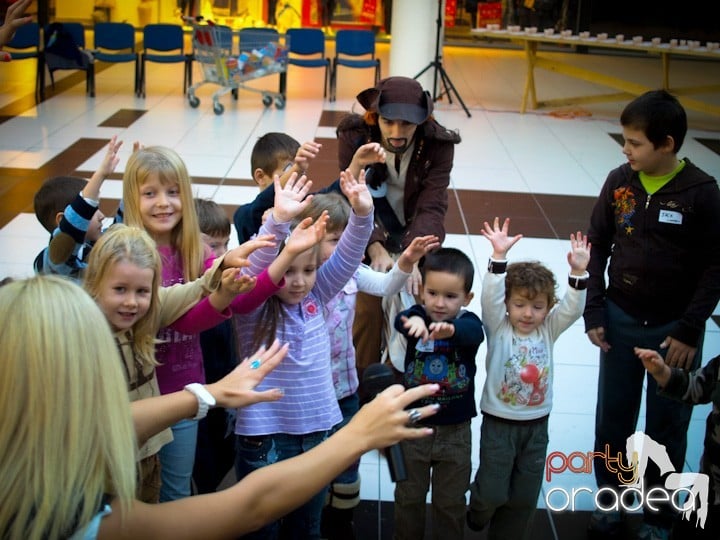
pixel 618 404
pixel 348 407
pixel 176 461
pixel 256 452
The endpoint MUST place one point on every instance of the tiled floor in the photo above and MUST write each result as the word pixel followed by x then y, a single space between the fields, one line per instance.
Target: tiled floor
pixel 542 169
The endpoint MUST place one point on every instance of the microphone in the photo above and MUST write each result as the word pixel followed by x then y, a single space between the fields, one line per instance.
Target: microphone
pixel 376 378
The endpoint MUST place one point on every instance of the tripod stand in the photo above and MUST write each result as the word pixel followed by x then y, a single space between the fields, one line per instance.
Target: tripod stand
pixel 449 87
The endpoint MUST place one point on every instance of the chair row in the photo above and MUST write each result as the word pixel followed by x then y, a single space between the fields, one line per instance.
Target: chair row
pixel 63 47
pixel 353 49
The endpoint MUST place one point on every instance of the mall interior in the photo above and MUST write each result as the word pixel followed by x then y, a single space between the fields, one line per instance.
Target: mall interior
pixel 537 111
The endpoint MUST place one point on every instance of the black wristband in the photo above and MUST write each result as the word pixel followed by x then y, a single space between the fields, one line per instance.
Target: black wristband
pixel 497 267
pixel 578 282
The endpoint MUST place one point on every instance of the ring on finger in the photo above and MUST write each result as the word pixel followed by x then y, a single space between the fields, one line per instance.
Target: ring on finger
pixel 414 416
pixel 255 363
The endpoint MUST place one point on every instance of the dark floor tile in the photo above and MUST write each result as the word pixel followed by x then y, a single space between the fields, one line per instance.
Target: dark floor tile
pixel 18 186
pixel 331 118
pixel 371 526
pixel 566 214
pixel 123 118
pixel 618 138
pixel 523 210
pixel 712 144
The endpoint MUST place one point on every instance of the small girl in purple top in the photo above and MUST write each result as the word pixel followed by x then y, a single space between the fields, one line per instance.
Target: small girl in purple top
pixel 309 409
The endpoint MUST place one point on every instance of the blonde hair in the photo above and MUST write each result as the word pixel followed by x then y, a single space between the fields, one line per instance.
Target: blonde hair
pixel 67 436
pixel 121 243
pixel 170 169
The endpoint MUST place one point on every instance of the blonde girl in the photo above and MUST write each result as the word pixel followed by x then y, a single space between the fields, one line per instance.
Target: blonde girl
pixel 157 192
pixel 123 276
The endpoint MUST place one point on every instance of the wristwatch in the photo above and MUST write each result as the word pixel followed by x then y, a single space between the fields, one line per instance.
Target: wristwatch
pixel 205 399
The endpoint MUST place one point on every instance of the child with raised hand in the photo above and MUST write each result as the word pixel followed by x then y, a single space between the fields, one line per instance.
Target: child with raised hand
pixel 296 315
pixel 442 342
pixel 274 154
pixel 344 494
pixel 72 383
pixel 699 386
pixel 522 319
pixel 123 276
pixel 157 196
pixel 80 223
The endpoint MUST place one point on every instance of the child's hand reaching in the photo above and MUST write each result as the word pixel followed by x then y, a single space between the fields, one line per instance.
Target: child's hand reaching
pixel 366 155
pixel 237 257
pixel 111 158
pixel 109 162
pixel 418 248
pixel 655 365
pixel 579 255
pixel 308 151
pixel 416 327
pixel 357 192
pixel 306 234
pixel 498 237
pixel 292 198
pixel 441 330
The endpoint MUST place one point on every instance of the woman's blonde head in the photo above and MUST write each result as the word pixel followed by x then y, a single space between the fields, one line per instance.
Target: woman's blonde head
pixel 66 436
pixel 121 243
pixel 170 169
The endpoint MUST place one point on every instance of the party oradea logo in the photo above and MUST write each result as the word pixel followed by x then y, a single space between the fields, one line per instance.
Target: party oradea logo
pixel 687 492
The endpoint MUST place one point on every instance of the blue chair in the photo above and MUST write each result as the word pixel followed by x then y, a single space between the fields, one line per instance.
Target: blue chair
pixel 24 45
pixel 115 43
pixel 306 48
pixel 353 49
pixel 64 48
pixel 164 44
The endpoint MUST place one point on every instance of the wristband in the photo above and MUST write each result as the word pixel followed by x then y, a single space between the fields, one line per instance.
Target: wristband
pixel 497 267
pixel 578 282
pixel 205 399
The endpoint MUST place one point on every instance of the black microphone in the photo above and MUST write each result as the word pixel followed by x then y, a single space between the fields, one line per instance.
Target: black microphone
pixel 376 378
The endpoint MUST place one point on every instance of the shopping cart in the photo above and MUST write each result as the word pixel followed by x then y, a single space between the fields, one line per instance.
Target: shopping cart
pixel 260 56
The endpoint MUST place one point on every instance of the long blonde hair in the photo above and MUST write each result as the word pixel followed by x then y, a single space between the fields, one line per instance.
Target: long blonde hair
pixel 121 243
pixel 170 168
pixel 66 436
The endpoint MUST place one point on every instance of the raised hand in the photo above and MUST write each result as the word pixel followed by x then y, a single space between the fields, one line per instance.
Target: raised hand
pixel 292 198
pixel 308 151
pixel 416 250
pixel 356 191
pixel 366 155
pixel 307 234
pixel 498 237
pixel 111 158
pixel 579 255
pixel 14 18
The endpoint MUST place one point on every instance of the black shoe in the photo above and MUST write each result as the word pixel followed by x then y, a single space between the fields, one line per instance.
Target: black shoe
pixel 337 523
